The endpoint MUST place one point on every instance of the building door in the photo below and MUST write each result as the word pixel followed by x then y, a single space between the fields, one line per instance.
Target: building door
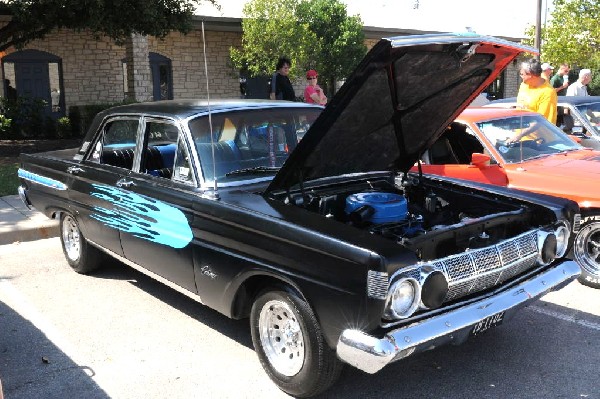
pixel 37 75
pixel 33 80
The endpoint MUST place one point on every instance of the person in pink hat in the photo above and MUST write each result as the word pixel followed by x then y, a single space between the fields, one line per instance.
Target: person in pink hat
pixel 313 94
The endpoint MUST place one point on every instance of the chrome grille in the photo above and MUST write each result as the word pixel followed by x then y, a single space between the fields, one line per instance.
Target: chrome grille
pixel 482 268
pixel 377 284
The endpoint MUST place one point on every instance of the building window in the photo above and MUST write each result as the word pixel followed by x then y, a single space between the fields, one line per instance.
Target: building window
pixel 162 77
pixel 496 89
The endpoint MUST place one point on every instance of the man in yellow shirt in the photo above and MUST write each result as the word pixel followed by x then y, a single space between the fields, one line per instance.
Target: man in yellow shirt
pixel 535 93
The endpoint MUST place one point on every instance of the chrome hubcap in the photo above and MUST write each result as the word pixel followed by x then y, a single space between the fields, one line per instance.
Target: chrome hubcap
pixel 71 238
pixel 587 248
pixel 281 337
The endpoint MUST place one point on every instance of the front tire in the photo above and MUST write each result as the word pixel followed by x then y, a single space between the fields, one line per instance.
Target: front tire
pixel 587 253
pixel 81 256
pixel 290 346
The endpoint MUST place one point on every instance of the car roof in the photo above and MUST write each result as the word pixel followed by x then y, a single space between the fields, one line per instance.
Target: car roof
pixel 578 99
pixel 185 108
pixel 476 114
pixel 575 100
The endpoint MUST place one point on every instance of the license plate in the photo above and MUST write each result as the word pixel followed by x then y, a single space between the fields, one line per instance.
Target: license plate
pixel 487 323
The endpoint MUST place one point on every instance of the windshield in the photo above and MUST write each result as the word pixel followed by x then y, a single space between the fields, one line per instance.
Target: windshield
pixel 519 138
pixel 253 141
pixel 592 112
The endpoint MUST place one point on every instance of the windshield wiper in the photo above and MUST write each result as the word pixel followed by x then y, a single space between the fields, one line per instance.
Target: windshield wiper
pixel 538 156
pixel 255 170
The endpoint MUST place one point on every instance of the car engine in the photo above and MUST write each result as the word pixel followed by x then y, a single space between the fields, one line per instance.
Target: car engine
pixel 432 219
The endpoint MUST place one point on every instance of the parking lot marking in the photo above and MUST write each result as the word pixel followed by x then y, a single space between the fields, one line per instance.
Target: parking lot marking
pixel 565 317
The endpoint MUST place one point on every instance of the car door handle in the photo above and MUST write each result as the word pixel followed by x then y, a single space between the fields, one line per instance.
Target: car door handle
pixel 125 183
pixel 74 170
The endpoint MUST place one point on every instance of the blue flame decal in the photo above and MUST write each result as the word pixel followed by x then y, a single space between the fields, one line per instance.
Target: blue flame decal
pixel 143 217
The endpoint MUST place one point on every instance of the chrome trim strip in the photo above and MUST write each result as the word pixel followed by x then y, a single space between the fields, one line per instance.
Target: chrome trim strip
pixel 42 180
pixel 459 37
pixel 371 354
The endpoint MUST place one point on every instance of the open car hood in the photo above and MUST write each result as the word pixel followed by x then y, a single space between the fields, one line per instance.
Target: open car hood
pixel 396 104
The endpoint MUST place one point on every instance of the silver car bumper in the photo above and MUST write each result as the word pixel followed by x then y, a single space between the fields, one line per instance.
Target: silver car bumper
pixel 371 354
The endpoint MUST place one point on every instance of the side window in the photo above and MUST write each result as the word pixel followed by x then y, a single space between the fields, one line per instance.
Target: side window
pixel 116 145
pixel 182 169
pixel 161 146
pixel 462 142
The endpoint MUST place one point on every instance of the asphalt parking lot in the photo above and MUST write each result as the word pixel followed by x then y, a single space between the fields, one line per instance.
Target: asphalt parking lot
pixel 120 334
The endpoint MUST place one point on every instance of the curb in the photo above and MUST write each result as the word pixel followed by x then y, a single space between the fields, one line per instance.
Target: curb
pixel 36 231
pixel 18 223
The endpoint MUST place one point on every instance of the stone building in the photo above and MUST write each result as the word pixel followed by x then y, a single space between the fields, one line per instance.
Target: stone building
pixel 73 68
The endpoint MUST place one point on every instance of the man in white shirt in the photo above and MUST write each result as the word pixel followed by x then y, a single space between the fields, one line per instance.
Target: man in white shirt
pixel 579 87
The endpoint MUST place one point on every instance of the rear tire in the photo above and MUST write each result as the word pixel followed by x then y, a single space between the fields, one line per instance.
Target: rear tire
pixel 587 253
pixel 290 346
pixel 81 256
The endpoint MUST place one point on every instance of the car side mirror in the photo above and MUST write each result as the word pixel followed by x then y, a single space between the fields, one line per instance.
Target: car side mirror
pixel 480 160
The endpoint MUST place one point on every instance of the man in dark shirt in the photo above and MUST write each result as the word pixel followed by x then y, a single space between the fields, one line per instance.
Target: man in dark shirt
pixel 281 87
pixel 560 81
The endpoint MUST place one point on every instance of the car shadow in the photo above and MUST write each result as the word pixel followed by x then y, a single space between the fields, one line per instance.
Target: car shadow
pixel 237 330
pixel 32 366
pixel 534 354
pixel 539 353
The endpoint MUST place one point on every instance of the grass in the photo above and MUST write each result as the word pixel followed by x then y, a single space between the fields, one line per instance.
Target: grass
pixel 8 179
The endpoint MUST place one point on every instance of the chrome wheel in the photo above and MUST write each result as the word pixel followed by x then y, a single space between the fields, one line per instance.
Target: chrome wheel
pixel 71 238
pixel 281 338
pixel 587 249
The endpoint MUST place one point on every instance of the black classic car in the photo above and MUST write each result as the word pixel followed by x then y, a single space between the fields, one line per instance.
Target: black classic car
pixel 333 250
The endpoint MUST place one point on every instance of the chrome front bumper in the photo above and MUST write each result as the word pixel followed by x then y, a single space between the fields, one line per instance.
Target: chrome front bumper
pixel 371 354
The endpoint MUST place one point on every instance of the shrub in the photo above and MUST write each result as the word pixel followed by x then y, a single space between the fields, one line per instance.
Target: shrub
pixel 81 116
pixel 5 127
pixel 27 116
pixel 64 130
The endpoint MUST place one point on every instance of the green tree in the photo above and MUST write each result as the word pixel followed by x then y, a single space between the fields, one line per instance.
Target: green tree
pixel 572 35
pixel 312 33
pixel 271 30
pixel 340 39
pixel 117 19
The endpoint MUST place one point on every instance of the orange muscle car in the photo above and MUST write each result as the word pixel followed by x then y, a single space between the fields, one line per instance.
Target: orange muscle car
pixel 521 149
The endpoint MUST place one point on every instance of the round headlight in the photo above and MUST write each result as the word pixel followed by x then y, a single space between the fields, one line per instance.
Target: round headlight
pixel 547 245
pixel 435 289
pixel 562 233
pixel 404 298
